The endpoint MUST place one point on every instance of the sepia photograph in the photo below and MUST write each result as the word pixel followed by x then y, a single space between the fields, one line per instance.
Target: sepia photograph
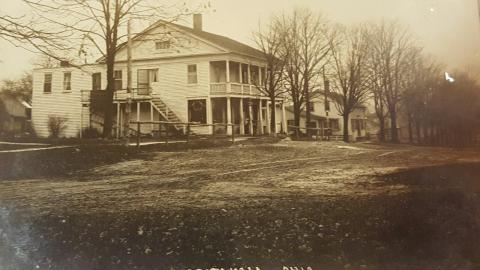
pixel 240 135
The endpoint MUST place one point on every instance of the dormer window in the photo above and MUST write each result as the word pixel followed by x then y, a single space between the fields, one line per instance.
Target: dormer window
pixel 162 45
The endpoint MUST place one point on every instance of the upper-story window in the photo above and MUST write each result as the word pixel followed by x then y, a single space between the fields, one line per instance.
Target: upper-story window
pixel 311 106
pixel 162 45
pixel 67 81
pixel 192 74
pixel 144 79
pixel 118 79
pixel 245 79
pixel 47 83
pixel 97 81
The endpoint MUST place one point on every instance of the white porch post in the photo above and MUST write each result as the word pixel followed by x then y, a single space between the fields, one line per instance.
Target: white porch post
pixel 267 116
pixel 151 118
pixel 284 119
pixel 229 116
pixel 274 108
pixel 138 111
pixel 260 117
pixel 209 115
pixel 242 120
pixel 118 120
pixel 228 75
pixel 250 116
pixel 249 80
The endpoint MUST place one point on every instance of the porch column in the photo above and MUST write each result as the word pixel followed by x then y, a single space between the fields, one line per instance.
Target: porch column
pixel 284 119
pixel 249 80
pixel 151 118
pixel 209 115
pixel 250 116
pixel 260 117
pixel 267 116
pixel 274 108
pixel 138 111
pixel 229 116
pixel 242 120
pixel 228 76
pixel 118 121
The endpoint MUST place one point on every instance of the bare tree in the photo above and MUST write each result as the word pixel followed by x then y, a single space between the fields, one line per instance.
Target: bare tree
pixel 26 33
pixel 101 24
pixel 270 41
pixel 349 56
pixel 394 48
pixel 21 87
pixel 306 47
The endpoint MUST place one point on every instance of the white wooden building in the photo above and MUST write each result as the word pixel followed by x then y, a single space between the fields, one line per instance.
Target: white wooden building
pixel 323 119
pixel 179 74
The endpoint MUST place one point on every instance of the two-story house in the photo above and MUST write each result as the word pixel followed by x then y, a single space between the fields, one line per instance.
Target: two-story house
pixel 179 74
pixel 326 116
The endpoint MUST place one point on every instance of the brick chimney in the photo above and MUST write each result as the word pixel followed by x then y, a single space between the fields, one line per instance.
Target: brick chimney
pixel 197 22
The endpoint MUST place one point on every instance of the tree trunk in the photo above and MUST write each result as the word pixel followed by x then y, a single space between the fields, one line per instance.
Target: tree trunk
pixel 417 130
pixel 345 128
pixel 108 106
pixel 381 135
pixel 273 115
pixel 296 116
pixel 393 126
pixel 410 128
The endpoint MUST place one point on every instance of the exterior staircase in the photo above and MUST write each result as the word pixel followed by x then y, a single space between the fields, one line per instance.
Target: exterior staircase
pixel 166 113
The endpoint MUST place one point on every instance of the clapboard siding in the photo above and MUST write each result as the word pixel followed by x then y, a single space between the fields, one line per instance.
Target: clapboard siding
pixel 59 102
pixel 181 44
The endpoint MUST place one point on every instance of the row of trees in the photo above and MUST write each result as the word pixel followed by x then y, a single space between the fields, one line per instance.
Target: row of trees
pixel 372 63
pixel 378 63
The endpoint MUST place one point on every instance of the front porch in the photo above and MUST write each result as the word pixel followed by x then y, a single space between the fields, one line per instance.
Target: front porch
pixel 245 115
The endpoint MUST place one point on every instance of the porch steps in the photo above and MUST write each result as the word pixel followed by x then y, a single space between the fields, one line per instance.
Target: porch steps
pixel 166 112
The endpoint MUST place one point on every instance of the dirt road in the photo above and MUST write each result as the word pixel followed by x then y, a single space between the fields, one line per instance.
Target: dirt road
pixel 323 205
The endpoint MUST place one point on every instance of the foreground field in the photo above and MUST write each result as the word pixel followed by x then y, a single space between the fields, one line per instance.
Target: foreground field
pixel 323 205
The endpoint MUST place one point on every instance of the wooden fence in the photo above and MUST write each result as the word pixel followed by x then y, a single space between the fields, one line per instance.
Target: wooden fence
pixel 187 127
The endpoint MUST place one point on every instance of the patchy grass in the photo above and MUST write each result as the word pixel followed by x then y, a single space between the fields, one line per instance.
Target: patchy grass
pixel 252 204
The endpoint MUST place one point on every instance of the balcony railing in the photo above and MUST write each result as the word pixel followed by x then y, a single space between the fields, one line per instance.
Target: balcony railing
pixel 135 94
pixel 234 88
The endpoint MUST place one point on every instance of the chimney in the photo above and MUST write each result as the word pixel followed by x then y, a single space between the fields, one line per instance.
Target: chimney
pixel 197 22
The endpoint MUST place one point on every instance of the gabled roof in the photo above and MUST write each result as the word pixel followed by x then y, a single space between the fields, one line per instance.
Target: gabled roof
pixel 226 43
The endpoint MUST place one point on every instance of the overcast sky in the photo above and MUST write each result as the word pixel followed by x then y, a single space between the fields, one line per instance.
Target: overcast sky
pixel 448 29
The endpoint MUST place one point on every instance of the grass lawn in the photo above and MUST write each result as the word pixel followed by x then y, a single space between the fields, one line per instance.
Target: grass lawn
pixel 322 205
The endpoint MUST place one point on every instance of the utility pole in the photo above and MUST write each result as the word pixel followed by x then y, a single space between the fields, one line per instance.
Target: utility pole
pixel 128 108
pixel 326 102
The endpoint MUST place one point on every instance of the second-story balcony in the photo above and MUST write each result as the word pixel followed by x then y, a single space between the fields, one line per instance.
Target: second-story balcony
pixel 229 77
pixel 234 88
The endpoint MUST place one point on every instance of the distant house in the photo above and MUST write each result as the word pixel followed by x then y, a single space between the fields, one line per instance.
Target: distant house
pixel 15 115
pixel 327 117
pixel 179 74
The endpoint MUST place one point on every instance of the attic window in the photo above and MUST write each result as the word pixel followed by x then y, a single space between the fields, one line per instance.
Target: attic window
pixel 162 45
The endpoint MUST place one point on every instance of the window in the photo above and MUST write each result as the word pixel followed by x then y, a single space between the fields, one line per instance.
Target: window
pixel 192 74
pixel 162 45
pixel 145 77
pixel 197 111
pixel 97 81
pixel 118 79
pixel 311 106
pixel 254 70
pixel 47 83
pixel 334 124
pixel 67 81
pixel 245 74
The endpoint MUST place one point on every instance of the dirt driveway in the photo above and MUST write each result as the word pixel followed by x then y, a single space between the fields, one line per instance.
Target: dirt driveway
pixel 322 205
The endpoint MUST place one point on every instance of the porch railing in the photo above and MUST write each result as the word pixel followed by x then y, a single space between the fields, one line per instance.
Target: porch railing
pixel 87 96
pixel 234 88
